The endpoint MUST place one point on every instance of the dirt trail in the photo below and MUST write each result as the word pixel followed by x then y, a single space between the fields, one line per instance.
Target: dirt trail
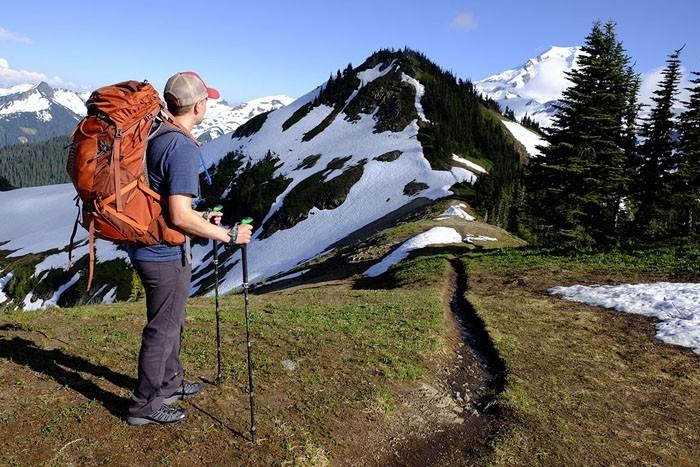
pixel 452 421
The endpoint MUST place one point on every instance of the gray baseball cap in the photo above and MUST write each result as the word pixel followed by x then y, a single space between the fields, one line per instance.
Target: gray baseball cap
pixel 186 88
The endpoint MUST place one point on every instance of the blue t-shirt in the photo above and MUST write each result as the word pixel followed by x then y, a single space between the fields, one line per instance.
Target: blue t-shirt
pixel 172 160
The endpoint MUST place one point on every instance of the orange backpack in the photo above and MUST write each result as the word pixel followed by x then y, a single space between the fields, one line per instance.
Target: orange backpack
pixel 107 165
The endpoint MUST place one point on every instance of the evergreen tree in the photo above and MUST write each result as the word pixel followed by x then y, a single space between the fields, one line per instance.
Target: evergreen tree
pixel 687 177
pixel 576 185
pixel 632 157
pixel 654 212
pixel 532 124
pixel 509 113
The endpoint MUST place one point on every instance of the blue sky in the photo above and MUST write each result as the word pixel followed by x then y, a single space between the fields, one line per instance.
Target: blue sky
pixel 255 48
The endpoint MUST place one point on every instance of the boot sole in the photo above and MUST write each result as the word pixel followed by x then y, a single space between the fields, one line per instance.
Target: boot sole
pixel 140 421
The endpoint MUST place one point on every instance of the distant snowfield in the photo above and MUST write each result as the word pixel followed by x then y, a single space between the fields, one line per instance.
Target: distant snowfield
pixel 39 219
pixel 35 102
pixel 675 305
pixel 434 236
pixel 528 138
pixel 71 101
pixel 221 118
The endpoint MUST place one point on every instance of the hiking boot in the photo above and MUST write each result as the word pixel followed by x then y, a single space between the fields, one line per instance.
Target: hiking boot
pixel 187 390
pixel 166 415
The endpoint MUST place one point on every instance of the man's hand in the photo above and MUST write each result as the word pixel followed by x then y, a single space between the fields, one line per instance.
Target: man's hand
pixel 214 217
pixel 244 233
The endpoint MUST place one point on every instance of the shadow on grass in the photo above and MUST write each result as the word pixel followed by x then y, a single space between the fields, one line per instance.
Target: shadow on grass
pixel 219 421
pixel 65 369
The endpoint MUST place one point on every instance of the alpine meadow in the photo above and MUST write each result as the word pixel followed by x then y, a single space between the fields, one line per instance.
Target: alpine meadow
pixel 442 271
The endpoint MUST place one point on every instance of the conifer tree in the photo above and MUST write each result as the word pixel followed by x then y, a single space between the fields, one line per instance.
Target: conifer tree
pixel 577 184
pixel 632 157
pixel 687 177
pixel 654 211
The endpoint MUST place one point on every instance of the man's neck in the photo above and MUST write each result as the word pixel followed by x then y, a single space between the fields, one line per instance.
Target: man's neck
pixel 185 121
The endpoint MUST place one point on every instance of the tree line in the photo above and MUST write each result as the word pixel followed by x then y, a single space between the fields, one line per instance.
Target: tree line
pixel 34 164
pixel 607 177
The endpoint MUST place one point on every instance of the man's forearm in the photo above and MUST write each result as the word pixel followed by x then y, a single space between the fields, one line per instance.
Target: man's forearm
pixel 193 223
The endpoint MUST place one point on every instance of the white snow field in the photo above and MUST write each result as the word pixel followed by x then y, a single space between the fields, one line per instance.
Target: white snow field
pixel 34 102
pixel 470 238
pixel 434 236
pixel 71 101
pixel 528 138
pixel 39 219
pixel 675 305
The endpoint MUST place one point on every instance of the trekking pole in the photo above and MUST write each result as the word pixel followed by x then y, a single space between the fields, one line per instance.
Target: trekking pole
pixel 244 256
pixel 215 252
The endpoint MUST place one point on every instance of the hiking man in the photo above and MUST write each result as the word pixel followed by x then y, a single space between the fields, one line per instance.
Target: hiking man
pixel 173 161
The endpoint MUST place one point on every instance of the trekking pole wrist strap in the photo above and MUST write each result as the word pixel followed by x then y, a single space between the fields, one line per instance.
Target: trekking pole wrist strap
pixel 233 233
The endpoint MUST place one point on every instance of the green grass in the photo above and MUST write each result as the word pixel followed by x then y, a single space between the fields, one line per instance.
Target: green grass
pixel 585 386
pixel 676 261
pixel 355 351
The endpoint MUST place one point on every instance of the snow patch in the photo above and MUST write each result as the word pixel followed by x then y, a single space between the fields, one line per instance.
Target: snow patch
pixel 434 236
pixel 367 76
pixel 462 175
pixel 470 164
pixel 456 211
pixel 110 296
pixel 39 304
pixel 3 283
pixel 469 238
pixel 675 305
pixel 71 101
pixel 528 138
pixel 420 91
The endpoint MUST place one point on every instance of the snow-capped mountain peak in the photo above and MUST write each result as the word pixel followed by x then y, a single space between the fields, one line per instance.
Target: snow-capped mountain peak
pixel 35 112
pixel 223 118
pixel 533 87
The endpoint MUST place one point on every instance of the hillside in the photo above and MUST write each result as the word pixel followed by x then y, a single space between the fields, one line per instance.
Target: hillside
pixel 349 158
pixel 394 132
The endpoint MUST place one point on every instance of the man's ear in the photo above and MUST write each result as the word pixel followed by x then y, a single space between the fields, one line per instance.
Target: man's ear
pixel 199 107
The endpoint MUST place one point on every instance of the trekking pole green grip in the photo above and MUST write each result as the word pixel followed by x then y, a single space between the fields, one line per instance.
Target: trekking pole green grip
pixel 246 221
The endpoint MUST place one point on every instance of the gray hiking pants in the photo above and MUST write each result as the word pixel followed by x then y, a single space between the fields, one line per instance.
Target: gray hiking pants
pixel 160 373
